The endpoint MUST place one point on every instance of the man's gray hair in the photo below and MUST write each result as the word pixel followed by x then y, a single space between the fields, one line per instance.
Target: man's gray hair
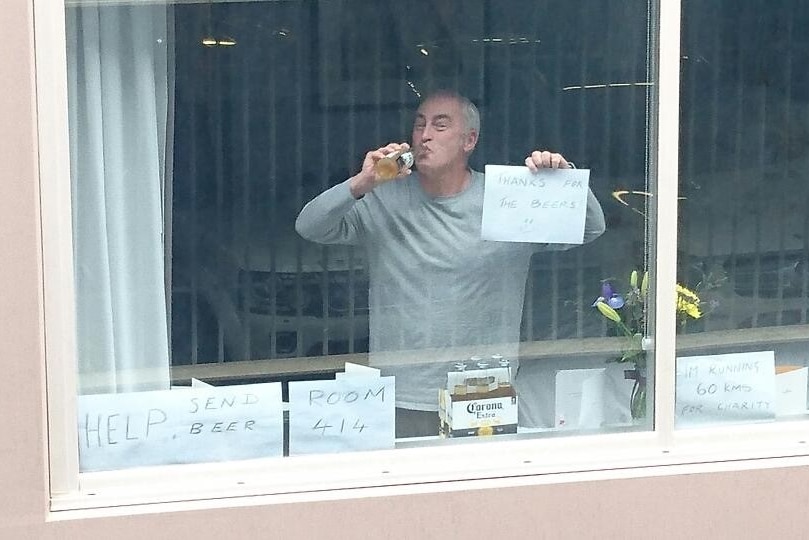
pixel 471 115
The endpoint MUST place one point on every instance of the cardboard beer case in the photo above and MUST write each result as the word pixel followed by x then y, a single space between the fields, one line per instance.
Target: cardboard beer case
pixel 477 403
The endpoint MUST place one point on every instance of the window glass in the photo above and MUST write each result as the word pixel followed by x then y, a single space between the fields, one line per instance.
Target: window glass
pixel 230 228
pixel 744 233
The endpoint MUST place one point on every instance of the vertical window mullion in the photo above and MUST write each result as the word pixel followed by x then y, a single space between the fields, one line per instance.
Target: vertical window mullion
pixel 665 171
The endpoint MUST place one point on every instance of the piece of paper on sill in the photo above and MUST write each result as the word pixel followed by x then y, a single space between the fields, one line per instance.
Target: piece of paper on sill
pixel 790 385
pixel 580 398
pixel 353 370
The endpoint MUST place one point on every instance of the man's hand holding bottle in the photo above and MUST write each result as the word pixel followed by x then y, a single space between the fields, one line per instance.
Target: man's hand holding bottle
pixel 380 166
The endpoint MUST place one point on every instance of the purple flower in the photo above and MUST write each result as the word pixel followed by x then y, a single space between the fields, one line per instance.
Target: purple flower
pixel 609 296
pixel 616 301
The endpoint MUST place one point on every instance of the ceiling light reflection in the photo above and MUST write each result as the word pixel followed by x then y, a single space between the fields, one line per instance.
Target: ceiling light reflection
pixel 607 85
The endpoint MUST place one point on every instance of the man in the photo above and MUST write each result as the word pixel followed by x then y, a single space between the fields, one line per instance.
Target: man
pixel 434 283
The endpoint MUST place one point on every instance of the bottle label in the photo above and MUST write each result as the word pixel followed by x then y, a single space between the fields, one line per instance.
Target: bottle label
pixel 407 160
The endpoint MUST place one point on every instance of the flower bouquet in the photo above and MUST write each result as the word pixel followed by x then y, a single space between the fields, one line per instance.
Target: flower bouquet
pixel 627 313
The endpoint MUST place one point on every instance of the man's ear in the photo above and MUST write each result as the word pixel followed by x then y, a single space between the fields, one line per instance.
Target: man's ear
pixel 470 141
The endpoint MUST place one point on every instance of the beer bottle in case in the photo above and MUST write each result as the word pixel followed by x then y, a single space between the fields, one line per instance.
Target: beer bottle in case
pixel 456 379
pixel 487 382
pixel 503 372
pixel 473 376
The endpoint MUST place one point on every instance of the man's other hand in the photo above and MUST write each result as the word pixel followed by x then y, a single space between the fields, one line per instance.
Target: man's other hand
pixel 543 159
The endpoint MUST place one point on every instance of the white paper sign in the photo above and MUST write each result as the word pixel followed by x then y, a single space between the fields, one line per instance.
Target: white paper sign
pixel 548 207
pixel 352 370
pixel 725 388
pixel 190 425
pixel 580 398
pixel 353 412
pixel 790 386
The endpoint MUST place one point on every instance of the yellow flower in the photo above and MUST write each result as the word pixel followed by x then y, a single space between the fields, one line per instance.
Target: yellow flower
pixel 644 285
pixel 688 302
pixel 608 312
pixel 687 293
pixel 692 310
pixel 633 279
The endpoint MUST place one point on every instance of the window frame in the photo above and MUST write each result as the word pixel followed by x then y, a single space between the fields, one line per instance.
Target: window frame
pixel 404 470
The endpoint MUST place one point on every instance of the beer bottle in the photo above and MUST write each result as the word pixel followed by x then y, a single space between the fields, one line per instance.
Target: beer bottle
pixel 393 164
pixel 457 380
pixel 487 382
pixel 504 373
pixel 472 376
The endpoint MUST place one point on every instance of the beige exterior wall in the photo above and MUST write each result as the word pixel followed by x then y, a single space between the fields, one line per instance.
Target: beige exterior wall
pixel 754 504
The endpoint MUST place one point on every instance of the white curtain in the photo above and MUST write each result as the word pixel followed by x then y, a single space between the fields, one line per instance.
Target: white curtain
pixel 118 105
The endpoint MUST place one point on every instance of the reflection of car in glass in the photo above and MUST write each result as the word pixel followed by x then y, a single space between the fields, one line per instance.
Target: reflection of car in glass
pixel 773 284
pixel 770 275
pixel 748 290
pixel 280 296
pixel 749 223
pixel 286 297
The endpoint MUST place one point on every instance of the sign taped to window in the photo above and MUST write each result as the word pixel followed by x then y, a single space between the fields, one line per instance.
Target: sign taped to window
pixel 353 412
pixel 188 425
pixel 725 388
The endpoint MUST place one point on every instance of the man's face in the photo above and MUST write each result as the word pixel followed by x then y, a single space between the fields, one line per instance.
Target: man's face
pixel 440 138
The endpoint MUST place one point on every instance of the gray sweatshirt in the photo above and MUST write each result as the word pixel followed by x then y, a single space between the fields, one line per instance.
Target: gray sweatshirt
pixel 434 283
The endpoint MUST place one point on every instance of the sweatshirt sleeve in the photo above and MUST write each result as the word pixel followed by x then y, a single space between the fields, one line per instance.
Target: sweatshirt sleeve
pixel 594 224
pixel 333 217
